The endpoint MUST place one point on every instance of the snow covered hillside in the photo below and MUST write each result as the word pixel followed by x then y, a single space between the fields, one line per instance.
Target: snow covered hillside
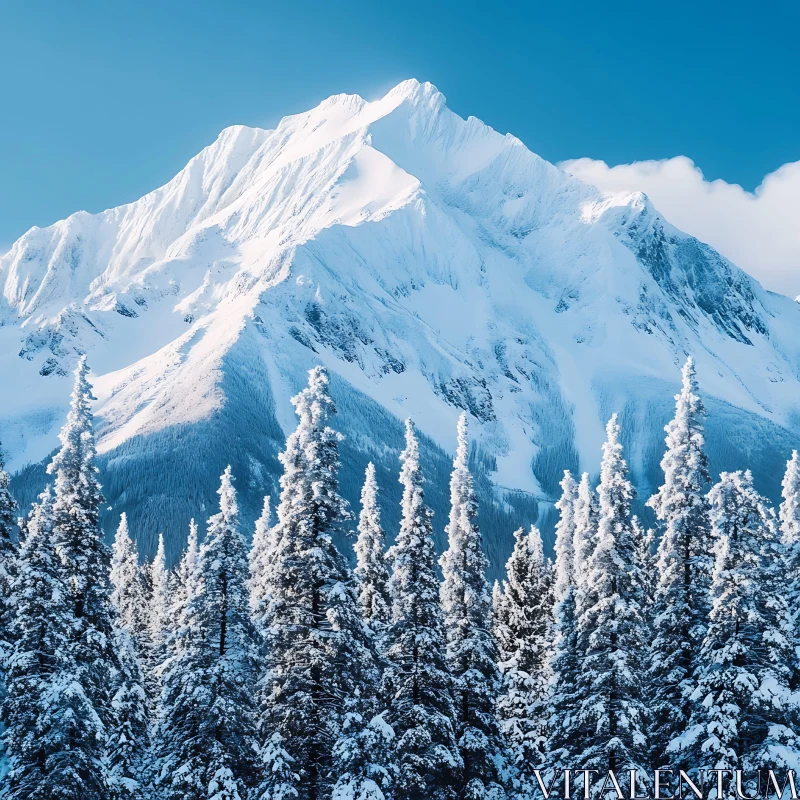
pixel 433 265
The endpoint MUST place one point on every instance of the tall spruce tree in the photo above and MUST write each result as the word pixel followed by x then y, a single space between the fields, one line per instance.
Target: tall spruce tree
pixel 160 624
pixel 499 613
pixel 159 602
pixel 564 585
pixel 790 533
pixel 587 515
pixel 261 553
pixel 471 651
pixel 612 709
pixel 41 633
pixel 186 576
pixel 127 585
pixel 648 559
pixel 371 571
pixel 523 631
pixel 566 660
pixel 742 714
pixel 364 753
pixel 417 680
pixel 569 729
pixel 684 559
pixel 205 741
pixel 318 655
pixel 129 735
pixel 8 508
pixel 128 739
pixel 89 662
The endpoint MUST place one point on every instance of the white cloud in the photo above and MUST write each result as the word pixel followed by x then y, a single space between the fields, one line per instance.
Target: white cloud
pixel 759 231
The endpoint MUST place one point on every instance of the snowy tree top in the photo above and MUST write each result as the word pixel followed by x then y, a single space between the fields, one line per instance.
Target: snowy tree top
pixel 790 507
pixel 411 473
pixel 75 443
pixel 315 398
pixel 227 495
pixel 565 535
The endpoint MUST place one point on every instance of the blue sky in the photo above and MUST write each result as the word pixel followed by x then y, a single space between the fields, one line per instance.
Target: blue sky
pixel 102 101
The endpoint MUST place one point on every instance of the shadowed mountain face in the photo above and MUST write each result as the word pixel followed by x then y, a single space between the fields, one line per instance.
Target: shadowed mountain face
pixel 433 265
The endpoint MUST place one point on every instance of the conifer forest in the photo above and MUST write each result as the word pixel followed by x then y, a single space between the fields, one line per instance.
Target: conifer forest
pixel 263 667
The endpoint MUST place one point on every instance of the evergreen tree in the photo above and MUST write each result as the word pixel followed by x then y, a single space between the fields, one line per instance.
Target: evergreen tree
pixel 790 532
pixel 261 553
pixel 186 577
pixel 499 615
pixel 564 586
pixel 371 571
pixel 776 711
pixel 569 730
pixel 683 569
pixel 83 689
pixel 525 642
pixel 742 715
pixel 279 779
pixel 206 729
pixel 318 655
pixel 127 585
pixel 566 661
pixel 128 738
pixel 417 679
pixel 159 605
pixel 648 559
pixel 41 630
pixel 471 651
pixel 365 754
pixel 612 710
pixel 587 516
pixel 8 508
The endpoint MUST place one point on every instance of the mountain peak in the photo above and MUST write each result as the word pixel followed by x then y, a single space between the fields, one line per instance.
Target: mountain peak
pixel 433 265
pixel 417 92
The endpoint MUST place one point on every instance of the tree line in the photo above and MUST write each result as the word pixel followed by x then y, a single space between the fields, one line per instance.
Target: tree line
pixel 275 672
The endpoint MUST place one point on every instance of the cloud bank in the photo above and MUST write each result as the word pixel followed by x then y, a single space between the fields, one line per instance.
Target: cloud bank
pixel 759 231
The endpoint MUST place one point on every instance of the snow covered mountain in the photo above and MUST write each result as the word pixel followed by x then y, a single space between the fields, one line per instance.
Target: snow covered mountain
pixel 433 265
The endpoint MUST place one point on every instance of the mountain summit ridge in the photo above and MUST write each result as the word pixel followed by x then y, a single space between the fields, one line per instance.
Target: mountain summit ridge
pixel 431 263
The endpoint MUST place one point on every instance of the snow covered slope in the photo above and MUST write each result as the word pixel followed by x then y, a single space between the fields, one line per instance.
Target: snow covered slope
pixel 433 265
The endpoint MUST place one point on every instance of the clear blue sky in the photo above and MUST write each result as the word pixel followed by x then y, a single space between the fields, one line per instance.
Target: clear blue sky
pixel 103 101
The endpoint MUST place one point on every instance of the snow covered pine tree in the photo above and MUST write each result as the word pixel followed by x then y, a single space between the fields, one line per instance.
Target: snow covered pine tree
pixel 471 651
pixel 790 531
pixel 684 559
pixel 127 584
pixel 523 630
pixel 159 602
pixel 260 557
pixel 741 714
pixel 41 630
pixel 371 571
pixel 186 577
pixel 129 738
pixel 612 707
pixel 318 654
pixel 205 740
pixel 82 692
pixel 417 680
pixel 8 508
pixel 567 728
pixel 566 660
